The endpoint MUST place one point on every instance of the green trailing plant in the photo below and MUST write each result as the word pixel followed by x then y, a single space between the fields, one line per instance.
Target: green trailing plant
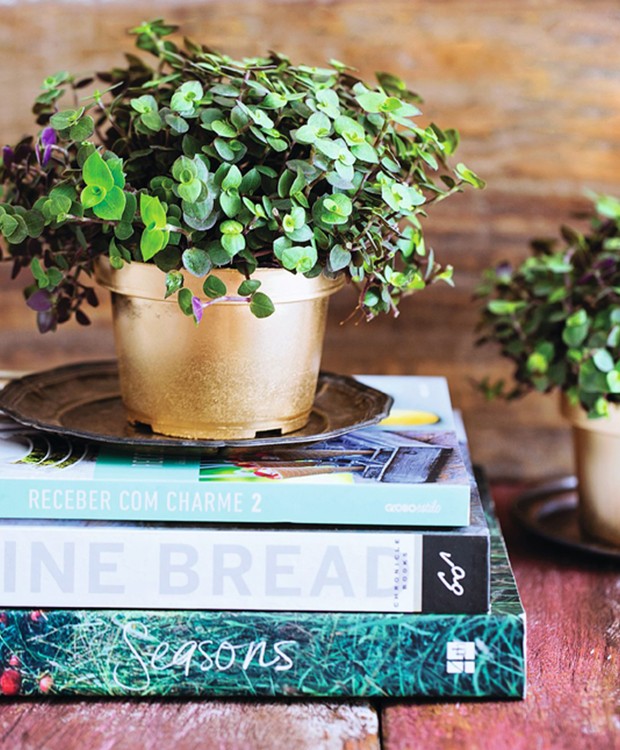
pixel 198 161
pixel 556 316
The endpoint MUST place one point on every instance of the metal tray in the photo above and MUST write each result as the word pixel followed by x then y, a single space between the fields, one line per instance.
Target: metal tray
pixel 549 510
pixel 83 401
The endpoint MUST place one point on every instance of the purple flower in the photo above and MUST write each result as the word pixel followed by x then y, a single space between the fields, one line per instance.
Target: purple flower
pixel 7 156
pixel 197 309
pixel 48 139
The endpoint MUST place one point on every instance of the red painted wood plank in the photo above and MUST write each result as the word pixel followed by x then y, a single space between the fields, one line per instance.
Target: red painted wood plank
pixel 573 609
pixel 217 725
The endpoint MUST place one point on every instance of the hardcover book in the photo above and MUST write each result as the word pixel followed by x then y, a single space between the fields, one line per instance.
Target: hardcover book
pixel 406 472
pixel 118 565
pixel 102 652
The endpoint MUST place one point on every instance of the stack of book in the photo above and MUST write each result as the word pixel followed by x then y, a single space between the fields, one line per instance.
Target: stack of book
pixel 370 564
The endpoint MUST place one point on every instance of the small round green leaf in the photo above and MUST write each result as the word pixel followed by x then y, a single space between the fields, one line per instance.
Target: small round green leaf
pixel 82 129
pixel 174 281
pixel 248 287
pixel 261 305
pixel 196 261
pixel 96 172
pixel 214 287
pixel 113 205
pixel 184 298
pixel 603 360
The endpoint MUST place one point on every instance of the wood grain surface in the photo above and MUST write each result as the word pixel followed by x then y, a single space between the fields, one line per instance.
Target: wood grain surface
pixel 533 87
pixel 217 725
pixel 573 701
pixel 573 613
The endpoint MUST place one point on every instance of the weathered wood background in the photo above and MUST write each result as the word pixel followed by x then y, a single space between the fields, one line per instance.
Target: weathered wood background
pixel 533 87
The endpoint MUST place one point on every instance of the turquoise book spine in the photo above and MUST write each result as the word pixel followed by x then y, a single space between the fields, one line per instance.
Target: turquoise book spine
pixel 225 654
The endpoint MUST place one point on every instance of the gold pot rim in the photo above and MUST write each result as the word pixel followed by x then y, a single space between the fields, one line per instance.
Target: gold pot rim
pixel 578 417
pixel 147 281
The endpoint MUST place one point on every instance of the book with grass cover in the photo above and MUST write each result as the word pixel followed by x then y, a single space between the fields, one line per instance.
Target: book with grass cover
pixel 88 652
pixel 406 472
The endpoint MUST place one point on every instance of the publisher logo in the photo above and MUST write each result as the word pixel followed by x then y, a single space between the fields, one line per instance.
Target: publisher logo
pixel 460 657
pixel 456 573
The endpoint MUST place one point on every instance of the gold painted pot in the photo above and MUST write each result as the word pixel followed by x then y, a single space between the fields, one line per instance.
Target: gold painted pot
pixel 231 376
pixel 597 461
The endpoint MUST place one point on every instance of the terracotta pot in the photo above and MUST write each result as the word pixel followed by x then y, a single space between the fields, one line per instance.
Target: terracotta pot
pixel 597 462
pixel 233 375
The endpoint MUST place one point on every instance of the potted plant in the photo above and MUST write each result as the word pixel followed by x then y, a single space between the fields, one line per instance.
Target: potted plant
pixel 556 316
pixel 232 190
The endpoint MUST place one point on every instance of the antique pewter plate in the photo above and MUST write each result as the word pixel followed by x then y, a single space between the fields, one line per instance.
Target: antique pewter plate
pixel 83 401
pixel 549 510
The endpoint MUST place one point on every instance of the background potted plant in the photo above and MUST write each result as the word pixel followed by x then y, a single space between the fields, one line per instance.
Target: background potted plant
pixel 223 188
pixel 557 318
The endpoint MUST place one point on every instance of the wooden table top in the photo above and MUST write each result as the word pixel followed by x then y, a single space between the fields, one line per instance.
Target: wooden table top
pixel 573 614
pixel 573 611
